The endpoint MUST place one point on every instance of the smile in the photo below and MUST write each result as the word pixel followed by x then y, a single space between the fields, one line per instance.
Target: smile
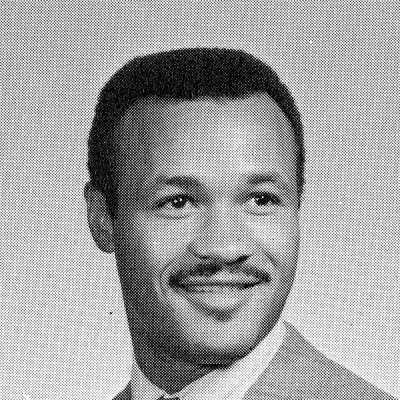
pixel 222 292
pixel 216 287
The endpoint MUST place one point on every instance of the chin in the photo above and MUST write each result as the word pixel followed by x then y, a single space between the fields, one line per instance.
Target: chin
pixel 215 336
pixel 222 347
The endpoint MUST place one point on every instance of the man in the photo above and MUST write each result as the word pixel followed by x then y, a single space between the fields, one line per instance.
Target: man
pixel 196 165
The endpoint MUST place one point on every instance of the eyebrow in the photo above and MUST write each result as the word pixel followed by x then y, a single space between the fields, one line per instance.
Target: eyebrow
pixel 190 182
pixel 257 178
pixel 182 181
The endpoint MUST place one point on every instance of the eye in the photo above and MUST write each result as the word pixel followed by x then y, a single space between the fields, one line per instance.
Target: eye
pixel 175 206
pixel 263 202
pixel 263 199
pixel 177 202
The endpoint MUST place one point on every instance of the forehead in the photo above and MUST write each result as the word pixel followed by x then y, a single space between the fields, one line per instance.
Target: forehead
pixel 152 113
pixel 216 135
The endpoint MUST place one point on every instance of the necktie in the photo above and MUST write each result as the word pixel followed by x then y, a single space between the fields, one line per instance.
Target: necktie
pixel 169 398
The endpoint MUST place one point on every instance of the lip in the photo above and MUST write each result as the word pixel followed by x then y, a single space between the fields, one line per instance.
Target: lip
pixel 221 293
pixel 216 287
pixel 217 299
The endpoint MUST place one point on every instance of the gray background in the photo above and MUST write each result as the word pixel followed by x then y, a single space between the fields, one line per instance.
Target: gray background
pixel 63 325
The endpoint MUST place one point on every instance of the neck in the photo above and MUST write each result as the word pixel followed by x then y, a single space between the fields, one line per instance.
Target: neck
pixel 168 373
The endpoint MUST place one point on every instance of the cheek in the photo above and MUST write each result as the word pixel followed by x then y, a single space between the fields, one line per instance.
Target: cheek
pixel 279 238
pixel 149 244
pixel 166 239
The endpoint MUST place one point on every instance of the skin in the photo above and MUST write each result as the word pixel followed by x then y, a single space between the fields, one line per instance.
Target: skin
pixel 226 218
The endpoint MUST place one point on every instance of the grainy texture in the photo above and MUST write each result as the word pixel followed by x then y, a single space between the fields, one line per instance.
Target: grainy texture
pixel 299 371
pixel 64 328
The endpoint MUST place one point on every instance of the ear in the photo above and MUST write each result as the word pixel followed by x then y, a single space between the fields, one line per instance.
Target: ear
pixel 99 219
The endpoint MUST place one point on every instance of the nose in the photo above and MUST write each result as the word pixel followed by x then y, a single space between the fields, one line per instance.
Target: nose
pixel 221 238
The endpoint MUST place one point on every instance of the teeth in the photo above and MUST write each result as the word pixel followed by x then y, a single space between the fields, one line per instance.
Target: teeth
pixel 218 281
pixel 214 288
pixel 215 282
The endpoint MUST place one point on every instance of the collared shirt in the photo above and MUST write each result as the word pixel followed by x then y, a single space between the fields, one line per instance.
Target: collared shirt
pixel 230 383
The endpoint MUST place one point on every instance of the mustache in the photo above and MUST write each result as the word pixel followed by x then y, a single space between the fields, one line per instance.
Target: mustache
pixel 209 269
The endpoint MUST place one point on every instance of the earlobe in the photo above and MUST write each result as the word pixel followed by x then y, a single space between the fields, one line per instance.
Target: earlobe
pixel 99 219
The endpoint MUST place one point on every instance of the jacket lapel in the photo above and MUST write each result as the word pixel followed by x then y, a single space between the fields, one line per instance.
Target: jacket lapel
pixel 298 371
pixel 126 394
pixel 292 373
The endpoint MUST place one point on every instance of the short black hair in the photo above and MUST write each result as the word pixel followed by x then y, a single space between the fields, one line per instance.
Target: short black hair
pixel 183 74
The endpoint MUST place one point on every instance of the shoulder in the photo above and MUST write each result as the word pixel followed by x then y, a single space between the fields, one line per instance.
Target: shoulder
pixel 125 394
pixel 299 370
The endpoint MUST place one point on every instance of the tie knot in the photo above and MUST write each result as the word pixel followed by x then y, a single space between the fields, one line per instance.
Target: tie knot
pixel 168 398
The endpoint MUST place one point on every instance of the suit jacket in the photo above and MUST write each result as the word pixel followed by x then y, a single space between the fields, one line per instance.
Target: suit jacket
pixel 298 371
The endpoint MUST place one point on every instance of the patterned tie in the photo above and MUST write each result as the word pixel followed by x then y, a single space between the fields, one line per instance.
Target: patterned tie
pixel 169 398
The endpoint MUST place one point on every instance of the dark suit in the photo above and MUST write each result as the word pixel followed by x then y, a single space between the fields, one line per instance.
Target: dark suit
pixel 298 371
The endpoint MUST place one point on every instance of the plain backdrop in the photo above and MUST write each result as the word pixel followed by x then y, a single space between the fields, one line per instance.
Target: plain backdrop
pixel 63 327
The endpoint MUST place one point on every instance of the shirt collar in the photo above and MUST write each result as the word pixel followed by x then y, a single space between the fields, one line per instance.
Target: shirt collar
pixel 230 383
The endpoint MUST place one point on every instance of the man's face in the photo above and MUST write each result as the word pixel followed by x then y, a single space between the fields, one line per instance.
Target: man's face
pixel 206 233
